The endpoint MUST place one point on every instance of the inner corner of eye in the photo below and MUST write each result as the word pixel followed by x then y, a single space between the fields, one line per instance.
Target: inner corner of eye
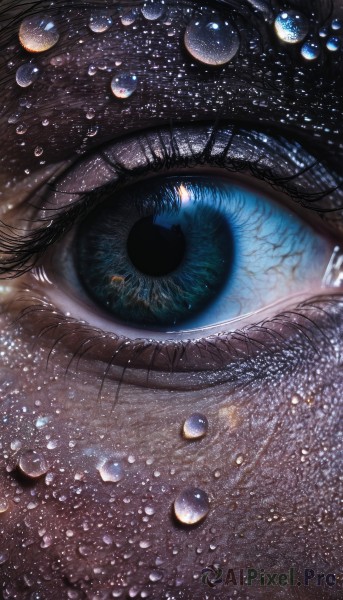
pixel 183 253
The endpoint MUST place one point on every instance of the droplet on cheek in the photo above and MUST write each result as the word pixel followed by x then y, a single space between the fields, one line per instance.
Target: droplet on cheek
pixel 33 464
pixel 26 75
pixel 291 27
pixel 191 506
pixel 123 85
pixel 38 34
pixel 195 426
pixel 111 470
pixel 212 42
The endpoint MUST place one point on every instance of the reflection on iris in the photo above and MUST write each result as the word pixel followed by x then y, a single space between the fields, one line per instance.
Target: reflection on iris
pixel 192 252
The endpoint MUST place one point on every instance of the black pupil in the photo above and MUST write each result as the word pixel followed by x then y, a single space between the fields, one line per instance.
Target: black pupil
pixel 155 246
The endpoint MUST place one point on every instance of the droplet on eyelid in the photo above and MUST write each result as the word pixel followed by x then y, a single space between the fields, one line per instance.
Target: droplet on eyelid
pixel 333 44
pixel 38 33
pixel 310 50
pixel 191 506
pixel 33 464
pixel 195 426
pixel 212 42
pixel 123 85
pixel 291 26
pixel 26 74
pixel 111 470
pixel 153 9
pixel 100 23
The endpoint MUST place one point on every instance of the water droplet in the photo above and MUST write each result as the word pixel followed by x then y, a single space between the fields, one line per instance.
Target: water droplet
pixel 38 152
pixel 33 463
pixel 336 24
pixel 3 505
pixel 92 131
pixel 310 50
pixel 38 33
pixel 153 9
pixel 45 123
pixel 21 129
pixel 295 400
pixel 111 470
pixel 239 459
pixel 26 74
pixel 129 17
pixel 92 70
pixel 100 23
pixel 90 114
pixel 149 510
pixel 291 27
pixel 333 44
pixel 212 42
pixel 191 506
pixel 144 544
pixel 195 426
pixel 123 85
pixel 323 32
pixel 3 557
pixel 155 576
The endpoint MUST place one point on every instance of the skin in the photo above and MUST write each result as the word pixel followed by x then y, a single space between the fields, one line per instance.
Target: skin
pixel 270 462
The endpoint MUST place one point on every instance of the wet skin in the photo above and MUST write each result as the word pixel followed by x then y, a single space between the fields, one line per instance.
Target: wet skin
pixel 270 462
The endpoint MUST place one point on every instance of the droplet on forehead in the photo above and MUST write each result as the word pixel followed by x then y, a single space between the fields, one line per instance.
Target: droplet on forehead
pixel 153 9
pixel 100 22
pixel 195 426
pixel 38 33
pixel 26 74
pixel 212 41
pixel 191 506
pixel 123 85
pixel 291 26
pixel 310 50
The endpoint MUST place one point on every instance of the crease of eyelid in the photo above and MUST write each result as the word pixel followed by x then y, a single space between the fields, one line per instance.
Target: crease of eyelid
pixel 282 341
pixel 183 147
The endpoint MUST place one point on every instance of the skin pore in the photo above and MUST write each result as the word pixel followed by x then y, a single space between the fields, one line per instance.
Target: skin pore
pixel 78 397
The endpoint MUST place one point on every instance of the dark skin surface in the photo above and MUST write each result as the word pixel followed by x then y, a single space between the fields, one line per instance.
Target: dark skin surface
pixel 270 462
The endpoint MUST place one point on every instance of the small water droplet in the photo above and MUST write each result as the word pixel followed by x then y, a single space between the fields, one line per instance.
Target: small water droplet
pixel 33 463
pixel 333 44
pixel 144 544
pixel 153 9
pixel 38 152
pixel 295 400
pixel 3 505
pixel 38 33
pixel 99 23
pixel 336 24
pixel 131 459
pixel 92 131
pixel 129 17
pixel 45 123
pixel 212 42
pixel 195 426
pixel 111 470
pixel 123 85
pixel 90 114
pixel 291 26
pixel 239 459
pixel 155 576
pixel 191 506
pixel 26 74
pixel 310 50
pixel 323 32
pixel 92 69
pixel 149 510
pixel 3 557
pixel 21 129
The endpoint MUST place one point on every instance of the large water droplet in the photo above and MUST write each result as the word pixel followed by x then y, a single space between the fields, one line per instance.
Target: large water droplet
pixel 33 464
pixel 99 23
pixel 26 74
pixel 129 16
pixel 310 50
pixel 336 24
pixel 123 85
pixel 111 470
pixel 38 33
pixel 195 426
pixel 333 44
pixel 212 42
pixel 191 506
pixel 291 27
pixel 153 9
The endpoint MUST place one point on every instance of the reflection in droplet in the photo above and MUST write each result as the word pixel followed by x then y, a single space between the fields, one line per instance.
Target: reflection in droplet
pixel 336 24
pixel 153 9
pixel 291 27
pixel 310 50
pixel 333 44
pixel 191 506
pixel 33 463
pixel 212 41
pixel 123 85
pixel 195 426
pixel 26 74
pixel 129 16
pixel 3 505
pixel 100 23
pixel 38 33
pixel 111 470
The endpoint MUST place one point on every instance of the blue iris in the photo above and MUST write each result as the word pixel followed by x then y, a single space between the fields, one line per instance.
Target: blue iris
pixel 190 252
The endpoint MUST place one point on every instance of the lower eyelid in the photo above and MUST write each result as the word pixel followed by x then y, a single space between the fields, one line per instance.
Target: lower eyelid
pixel 239 356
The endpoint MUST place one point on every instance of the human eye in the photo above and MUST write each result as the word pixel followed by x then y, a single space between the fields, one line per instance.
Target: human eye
pixel 170 246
